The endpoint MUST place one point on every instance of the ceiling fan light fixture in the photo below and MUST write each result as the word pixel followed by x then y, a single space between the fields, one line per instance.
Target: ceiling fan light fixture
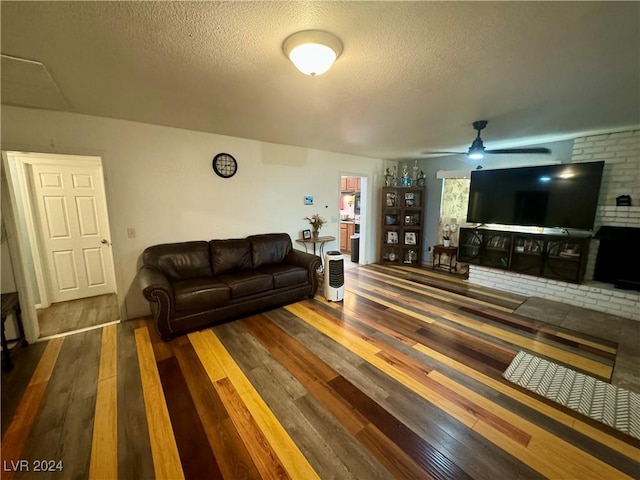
pixel 476 150
pixel 312 51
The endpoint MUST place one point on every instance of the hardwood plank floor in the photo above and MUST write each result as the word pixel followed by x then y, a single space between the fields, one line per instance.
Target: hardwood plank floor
pixel 400 380
pixel 73 315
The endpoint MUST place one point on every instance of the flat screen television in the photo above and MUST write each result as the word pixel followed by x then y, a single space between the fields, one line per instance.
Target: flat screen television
pixel 562 196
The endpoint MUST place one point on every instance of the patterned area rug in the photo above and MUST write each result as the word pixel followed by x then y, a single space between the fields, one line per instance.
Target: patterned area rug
pixel 606 403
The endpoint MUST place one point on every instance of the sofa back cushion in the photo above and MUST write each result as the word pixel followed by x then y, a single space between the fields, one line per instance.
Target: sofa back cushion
pixel 180 261
pixel 230 255
pixel 269 248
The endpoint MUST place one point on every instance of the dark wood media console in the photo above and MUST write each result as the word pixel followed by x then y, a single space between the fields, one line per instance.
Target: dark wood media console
pixel 558 257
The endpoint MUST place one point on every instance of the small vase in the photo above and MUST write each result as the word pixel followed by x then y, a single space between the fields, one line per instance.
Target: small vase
pixel 446 242
pixel 315 233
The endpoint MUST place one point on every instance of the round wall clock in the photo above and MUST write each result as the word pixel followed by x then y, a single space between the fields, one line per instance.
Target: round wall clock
pixel 224 165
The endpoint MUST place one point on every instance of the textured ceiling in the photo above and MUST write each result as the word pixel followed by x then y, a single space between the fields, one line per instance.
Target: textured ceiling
pixel 413 76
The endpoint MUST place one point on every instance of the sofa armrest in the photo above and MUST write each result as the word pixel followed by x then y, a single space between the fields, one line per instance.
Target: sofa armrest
pixel 152 279
pixel 307 261
pixel 304 260
pixel 159 292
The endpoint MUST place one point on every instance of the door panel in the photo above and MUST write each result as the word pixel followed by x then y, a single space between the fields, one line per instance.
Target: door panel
pixel 82 181
pixel 57 217
pixel 94 262
pixel 87 217
pixel 51 180
pixel 65 269
pixel 74 230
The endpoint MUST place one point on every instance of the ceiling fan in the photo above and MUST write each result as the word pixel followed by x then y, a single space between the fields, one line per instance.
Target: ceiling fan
pixel 477 149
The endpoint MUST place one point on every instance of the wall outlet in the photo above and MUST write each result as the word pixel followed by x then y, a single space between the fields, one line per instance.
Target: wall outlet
pixel 131 232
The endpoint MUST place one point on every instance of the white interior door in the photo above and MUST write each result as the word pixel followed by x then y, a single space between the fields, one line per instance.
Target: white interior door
pixel 74 230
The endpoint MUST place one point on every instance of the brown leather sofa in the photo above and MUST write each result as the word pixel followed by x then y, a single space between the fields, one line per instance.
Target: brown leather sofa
pixel 194 284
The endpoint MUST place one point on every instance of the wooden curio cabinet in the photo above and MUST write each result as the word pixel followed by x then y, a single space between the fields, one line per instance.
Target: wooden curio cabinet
pixel 402 223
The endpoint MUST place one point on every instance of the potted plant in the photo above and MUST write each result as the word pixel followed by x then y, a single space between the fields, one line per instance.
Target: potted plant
pixel 316 222
pixel 446 236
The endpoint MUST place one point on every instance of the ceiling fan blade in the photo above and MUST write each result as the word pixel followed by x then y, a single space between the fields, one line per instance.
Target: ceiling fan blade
pixel 428 152
pixel 520 150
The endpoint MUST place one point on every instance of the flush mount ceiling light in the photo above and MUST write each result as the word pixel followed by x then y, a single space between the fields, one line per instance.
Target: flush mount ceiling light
pixel 312 51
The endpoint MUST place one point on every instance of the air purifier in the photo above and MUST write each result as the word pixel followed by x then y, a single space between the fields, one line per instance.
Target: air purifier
pixel 334 276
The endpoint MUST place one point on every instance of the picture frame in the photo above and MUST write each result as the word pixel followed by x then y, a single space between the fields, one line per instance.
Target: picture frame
pixel 408 219
pixel 409 199
pixel 392 237
pixel 308 199
pixel 410 238
pixel 306 234
pixel 391 199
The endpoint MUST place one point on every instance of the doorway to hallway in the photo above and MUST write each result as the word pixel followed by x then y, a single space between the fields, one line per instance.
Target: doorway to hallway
pixel 352 205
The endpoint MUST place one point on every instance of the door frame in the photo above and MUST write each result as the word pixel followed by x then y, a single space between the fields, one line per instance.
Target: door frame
pixel 364 213
pixel 33 281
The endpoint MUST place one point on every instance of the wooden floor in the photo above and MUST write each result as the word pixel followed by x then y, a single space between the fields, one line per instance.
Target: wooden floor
pixel 74 315
pixel 401 380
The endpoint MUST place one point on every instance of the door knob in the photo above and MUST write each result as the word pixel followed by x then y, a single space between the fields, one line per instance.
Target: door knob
pixel 105 241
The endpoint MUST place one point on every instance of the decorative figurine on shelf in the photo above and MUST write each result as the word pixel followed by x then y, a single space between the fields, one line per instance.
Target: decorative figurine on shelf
pixel 410 256
pixel 316 222
pixel 388 177
pixel 415 172
pixel 421 179
pixel 405 176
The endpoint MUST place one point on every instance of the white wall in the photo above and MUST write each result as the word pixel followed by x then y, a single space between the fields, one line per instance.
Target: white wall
pixel 159 181
pixel 7 276
pixel 7 281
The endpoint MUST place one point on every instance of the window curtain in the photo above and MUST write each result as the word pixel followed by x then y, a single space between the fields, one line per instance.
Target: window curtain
pixel 453 208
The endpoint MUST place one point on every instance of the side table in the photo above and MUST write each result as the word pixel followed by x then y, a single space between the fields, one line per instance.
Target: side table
pixel 11 303
pixel 318 245
pixel 451 252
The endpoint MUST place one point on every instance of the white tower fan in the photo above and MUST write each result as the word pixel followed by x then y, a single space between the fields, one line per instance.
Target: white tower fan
pixel 334 276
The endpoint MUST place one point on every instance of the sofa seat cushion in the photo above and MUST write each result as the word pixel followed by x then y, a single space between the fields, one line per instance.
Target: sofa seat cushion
pixel 200 293
pixel 246 282
pixel 285 275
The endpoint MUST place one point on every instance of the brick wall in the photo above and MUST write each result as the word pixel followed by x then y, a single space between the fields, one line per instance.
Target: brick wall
pixel 623 303
pixel 621 154
pixel 621 176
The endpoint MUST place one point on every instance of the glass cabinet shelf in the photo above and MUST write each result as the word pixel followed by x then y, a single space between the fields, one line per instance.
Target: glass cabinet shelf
pixel 551 256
